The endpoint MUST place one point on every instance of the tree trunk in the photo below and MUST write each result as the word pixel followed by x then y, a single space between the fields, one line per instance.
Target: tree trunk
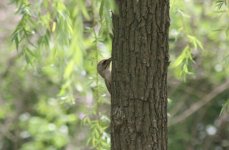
pixel 139 75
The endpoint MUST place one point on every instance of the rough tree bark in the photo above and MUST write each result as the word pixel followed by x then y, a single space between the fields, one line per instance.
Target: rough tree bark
pixel 139 75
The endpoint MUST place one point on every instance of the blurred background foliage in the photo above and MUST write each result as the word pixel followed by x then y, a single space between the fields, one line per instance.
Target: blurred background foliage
pixel 51 97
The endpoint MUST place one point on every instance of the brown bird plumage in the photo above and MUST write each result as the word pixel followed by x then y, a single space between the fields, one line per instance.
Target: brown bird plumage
pixel 103 69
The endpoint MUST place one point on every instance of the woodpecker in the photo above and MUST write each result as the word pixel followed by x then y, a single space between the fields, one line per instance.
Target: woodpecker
pixel 103 68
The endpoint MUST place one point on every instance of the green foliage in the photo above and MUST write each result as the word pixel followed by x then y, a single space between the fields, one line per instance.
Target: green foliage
pixel 221 3
pixel 198 50
pixel 181 65
pixel 63 41
pixel 225 108
pixel 98 129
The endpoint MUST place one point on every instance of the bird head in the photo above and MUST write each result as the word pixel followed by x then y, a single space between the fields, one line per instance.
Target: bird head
pixel 103 65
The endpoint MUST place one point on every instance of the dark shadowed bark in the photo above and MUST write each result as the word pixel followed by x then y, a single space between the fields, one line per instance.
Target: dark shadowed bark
pixel 139 75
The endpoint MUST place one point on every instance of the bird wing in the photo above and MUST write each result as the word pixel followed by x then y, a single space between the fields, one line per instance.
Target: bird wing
pixel 108 85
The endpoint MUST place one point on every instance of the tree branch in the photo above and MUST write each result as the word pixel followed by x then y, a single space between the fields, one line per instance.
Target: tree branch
pixel 196 106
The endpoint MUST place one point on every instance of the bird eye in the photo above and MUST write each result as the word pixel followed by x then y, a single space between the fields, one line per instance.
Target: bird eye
pixel 104 62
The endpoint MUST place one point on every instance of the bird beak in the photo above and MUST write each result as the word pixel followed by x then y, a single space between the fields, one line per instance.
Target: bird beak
pixel 108 61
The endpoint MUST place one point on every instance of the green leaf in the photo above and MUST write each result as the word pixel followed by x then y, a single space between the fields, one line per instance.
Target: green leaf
pixel 69 70
pixel 101 9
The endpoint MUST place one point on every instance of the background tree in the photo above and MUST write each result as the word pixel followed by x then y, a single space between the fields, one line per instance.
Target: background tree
pixel 139 75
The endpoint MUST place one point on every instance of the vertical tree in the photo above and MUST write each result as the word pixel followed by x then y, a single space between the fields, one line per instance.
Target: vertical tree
pixel 139 73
